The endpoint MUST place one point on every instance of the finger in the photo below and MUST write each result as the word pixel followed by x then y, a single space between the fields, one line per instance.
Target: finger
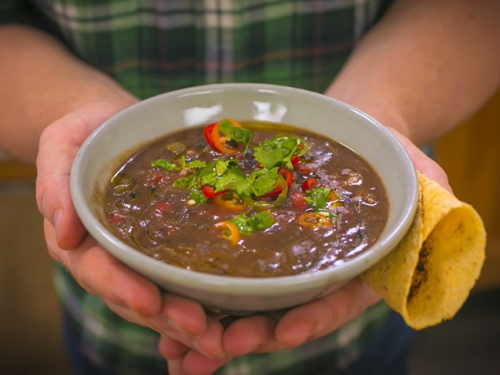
pixel 185 315
pixel 157 323
pixel 196 363
pixel 172 349
pixel 251 334
pixel 175 367
pixel 423 163
pixel 318 318
pixel 100 273
pixel 210 342
pixel 58 146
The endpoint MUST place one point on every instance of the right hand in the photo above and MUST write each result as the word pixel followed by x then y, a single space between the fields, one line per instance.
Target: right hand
pixel 267 333
pixel 128 294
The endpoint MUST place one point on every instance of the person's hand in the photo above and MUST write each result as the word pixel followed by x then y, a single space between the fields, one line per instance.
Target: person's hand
pixel 95 269
pixel 272 332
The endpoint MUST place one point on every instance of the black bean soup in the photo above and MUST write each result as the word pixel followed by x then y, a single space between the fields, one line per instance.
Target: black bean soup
pixel 249 199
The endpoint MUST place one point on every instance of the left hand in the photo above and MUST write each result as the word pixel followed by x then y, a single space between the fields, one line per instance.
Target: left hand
pixel 95 269
pixel 271 332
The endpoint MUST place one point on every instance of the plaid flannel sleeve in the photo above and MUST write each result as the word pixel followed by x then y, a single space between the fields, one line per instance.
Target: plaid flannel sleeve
pixel 11 12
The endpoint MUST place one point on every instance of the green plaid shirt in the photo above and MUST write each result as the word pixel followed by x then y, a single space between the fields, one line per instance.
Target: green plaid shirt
pixel 154 46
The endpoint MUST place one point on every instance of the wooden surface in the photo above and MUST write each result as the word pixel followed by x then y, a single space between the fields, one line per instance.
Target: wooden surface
pixel 471 157
pixel 30 325
pixel 16 171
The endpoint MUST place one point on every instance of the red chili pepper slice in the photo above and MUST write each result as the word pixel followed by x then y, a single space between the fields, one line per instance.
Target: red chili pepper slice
pixel 230 231
pixel 230 201
pixel 313 220
pixel 208 136
pixel 297 200
pixel 309 183
pixel 220 140
pixel 208 191
pixel 287 175
pixel 295 160
pixel 163 207
pixel 154 177
pixel 265 203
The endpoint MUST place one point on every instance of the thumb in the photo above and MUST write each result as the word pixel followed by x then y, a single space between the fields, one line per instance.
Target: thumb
pixel 58 146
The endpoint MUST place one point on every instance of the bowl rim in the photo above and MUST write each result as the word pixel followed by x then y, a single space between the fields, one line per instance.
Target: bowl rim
pixel 243 285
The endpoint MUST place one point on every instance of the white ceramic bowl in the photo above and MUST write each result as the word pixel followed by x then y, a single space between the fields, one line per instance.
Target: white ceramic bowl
pixel 102 153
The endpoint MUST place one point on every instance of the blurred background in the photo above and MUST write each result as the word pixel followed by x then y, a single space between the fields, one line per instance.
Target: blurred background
pixel 30 341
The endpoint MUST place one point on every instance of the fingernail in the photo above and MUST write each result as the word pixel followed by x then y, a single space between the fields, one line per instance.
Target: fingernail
pixel 57 218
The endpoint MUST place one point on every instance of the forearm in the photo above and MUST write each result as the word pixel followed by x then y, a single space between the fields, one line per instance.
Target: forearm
pixel 41 82
pixel 427 66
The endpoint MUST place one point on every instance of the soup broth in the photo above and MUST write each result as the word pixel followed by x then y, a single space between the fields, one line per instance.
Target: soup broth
pixel 284 202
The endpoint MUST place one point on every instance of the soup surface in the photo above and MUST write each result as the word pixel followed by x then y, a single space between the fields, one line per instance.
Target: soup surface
pixel 258 201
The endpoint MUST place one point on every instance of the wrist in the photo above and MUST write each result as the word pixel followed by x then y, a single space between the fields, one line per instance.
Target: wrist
pixel 379 107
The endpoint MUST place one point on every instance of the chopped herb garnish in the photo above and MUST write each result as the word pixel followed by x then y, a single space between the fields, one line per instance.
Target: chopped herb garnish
pixel 317 198
pixel 268 154
pixel 256 223
pixel 165 164
pixel 196 164
pixel 263 180
pixel 213 171
pixel 183 162
pixel 169 166
pixel 234 179
pixel 240 135
pixel 222 165
pixel 198 196
pixel 278 150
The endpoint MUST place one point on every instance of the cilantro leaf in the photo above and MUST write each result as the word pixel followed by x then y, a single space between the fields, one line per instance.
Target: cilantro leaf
pixel 317 198
pixel 255 223
pixel 194 179
pixel 206 174
pixel 278 150
pixel 234 179
pixel 268 153
pixel 196 164
pixel 240 222
pixel 263 181
pixel 261 221
pixel 222 165
pixel 198 196
pixel 213 171
pixel 169 166
pixel 234 133
pixel 302 145
pixel 165 164
pixel 186 182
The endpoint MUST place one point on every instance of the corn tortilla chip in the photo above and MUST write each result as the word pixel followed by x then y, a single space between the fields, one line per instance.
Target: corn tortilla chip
pixel 429 275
